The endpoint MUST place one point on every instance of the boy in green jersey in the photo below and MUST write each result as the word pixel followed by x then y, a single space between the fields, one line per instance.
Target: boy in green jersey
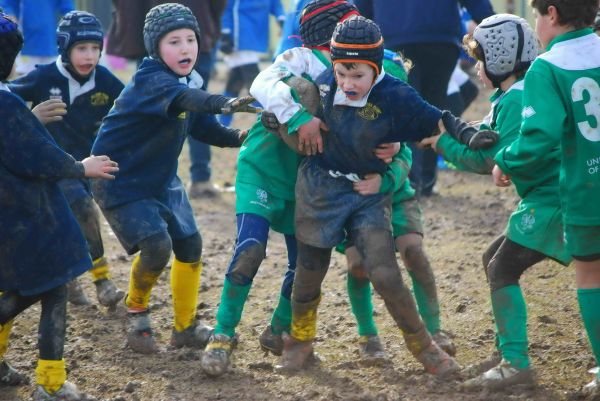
pixel 561 111
pixel 534 230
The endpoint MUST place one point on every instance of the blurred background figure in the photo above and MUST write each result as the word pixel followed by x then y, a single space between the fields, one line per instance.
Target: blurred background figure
pixel 244 38
pixel 429 33
pixel 38 19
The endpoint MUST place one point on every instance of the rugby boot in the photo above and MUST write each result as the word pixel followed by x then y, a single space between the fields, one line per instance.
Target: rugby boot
pixel 500 377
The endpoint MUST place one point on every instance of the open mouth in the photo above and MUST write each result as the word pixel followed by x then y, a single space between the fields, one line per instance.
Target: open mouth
pixel 185 62
pixel 85 68
pixel 351 93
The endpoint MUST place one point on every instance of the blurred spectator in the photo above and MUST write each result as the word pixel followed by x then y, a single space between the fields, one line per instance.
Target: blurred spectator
pixel 427 32
pixel 290 33
pixel 244 37
pixel 38 20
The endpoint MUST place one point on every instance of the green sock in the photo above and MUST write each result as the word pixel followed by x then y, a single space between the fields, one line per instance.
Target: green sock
pixel 359 292
pixel 589 299
pixel 233 298
pixel 282 316
pixel 510 313
pixel 429 307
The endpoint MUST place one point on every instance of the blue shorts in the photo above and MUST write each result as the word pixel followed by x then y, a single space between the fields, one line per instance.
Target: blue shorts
pixel 328 207
pixel 75 189
pixel 170 212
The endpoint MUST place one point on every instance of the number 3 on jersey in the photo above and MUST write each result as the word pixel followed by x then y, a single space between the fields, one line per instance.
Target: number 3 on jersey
pixel 592 106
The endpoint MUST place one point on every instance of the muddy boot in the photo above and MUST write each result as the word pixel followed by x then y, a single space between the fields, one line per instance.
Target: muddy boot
pixel 591 391
pixel 500 377
pixel 76 296
pixel 216 357
pixel 195 336
pixel 483 366
pixel 68 392
pixel 140 337
pixel 10 377
pixel 443 339
pixel 370 349
pixel 296 355
pixel 107 293
pixel 270 342
pixel 435 360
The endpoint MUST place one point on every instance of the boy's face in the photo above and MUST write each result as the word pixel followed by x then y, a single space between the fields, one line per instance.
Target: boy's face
pixel 178 49
pixel 483 76
pixel 355 82
pixel 546 25
pixel 84 57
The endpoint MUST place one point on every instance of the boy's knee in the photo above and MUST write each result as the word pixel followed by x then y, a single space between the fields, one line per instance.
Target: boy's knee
pixel 386 279
pixel 155 252
pixel 313 258
pixel 245 263
pixel 189 249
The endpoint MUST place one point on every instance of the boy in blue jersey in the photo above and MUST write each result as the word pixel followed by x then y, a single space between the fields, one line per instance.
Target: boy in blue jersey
pixel 146 205
pixel 363 107
pixel 41 245
pixel 88 92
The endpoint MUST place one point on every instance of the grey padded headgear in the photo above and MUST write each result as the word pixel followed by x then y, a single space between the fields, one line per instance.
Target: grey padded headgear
pixel 508 44
pixel 163 19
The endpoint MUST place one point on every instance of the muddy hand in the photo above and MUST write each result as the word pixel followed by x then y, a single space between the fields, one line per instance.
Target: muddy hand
pixel 500 179
pixel 484 139
pixel 100 167
pixel 386 151
pixel 50 111
pixel 240 104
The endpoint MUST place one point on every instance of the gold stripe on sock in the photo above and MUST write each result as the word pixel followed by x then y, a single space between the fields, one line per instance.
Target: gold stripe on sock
pixel 51 374
pixel 99 270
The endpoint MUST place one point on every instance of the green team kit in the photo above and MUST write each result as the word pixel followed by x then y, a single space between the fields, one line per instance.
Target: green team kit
pixel 561 113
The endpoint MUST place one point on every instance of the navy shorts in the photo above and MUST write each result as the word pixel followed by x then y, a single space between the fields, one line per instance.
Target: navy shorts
pixel 328 207
pixel 140 219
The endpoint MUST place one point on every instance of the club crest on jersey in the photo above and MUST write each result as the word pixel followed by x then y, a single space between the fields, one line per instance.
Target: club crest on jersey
pixel 55 93
pixel 99 99
pixel 324 89
pixel 369 112
pixel 182 116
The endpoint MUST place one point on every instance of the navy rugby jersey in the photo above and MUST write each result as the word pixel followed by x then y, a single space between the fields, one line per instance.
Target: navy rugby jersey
pixel 41 244
pixel 394 112
pixel 145 135
pixel 86 104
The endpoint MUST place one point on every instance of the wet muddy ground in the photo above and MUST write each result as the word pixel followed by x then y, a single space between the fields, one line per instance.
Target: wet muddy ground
pixel 467 215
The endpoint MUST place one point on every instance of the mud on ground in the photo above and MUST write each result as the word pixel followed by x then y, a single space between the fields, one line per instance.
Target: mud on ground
pixel 469 213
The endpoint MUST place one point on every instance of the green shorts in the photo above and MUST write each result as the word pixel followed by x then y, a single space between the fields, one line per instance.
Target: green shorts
pixel 279 212
pixel 407 218
pixel 582 241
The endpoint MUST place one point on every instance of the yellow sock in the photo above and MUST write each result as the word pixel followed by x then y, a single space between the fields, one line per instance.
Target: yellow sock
pixel 4 334
pixel 51 374
pixel 99 270
pixel 140 286
pixel 185 284
pixel 304 320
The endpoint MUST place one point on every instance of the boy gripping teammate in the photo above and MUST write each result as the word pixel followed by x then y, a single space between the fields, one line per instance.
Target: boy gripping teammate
pixel 363 107
pixel 146 205
pixel 265 182
pixel 90 91
pixel 534 231
pixel 561 111
pixel 41 245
